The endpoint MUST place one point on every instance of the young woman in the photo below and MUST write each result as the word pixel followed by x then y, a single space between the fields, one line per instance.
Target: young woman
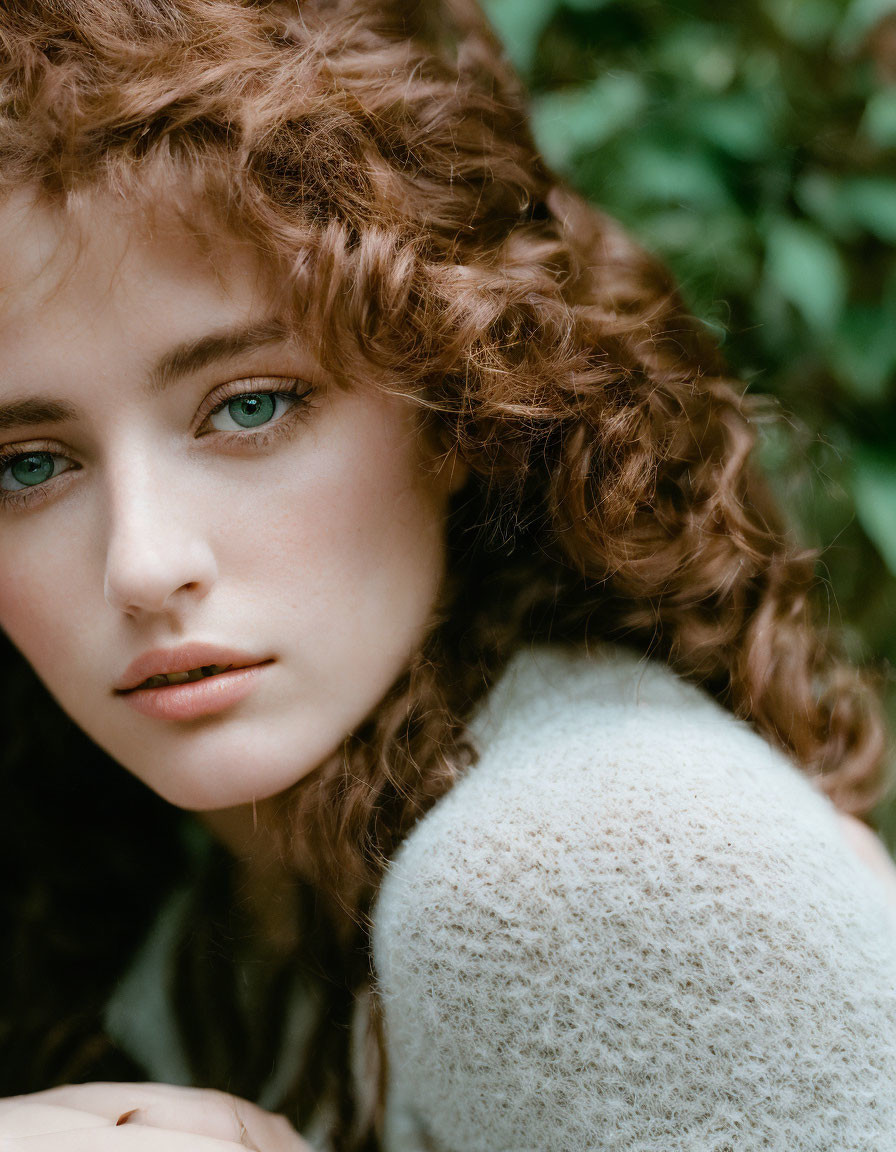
pixel 369 497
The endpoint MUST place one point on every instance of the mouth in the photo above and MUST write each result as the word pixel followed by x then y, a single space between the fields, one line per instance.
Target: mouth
pixel 194 693
pixel 171 667
pixel 162 679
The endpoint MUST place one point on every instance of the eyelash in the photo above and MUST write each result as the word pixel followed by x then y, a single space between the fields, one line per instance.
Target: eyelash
pixel 293 389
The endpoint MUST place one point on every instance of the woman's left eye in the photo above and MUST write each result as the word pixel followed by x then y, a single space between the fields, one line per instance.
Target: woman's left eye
pixel 248 410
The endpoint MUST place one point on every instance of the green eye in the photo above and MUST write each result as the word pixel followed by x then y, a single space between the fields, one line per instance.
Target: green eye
pixel 27 471
pixel 252 409
pixel 247 410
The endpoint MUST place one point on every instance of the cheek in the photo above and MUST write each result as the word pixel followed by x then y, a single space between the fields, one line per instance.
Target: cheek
pixel 352 537
pixel 38 608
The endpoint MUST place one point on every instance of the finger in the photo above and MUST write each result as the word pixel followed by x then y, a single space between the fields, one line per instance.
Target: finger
pixel 30 1119
pixel 204 1111
pixel 226 1118
pixel 107 1098
pixel 202 1116
pixel 113 1100
pixel 128 1138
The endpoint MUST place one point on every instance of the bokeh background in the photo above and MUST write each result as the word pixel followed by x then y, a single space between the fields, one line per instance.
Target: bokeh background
pixel 753 147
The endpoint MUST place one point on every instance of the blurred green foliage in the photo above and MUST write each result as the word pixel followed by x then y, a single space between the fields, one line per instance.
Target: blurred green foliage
pixel 753 147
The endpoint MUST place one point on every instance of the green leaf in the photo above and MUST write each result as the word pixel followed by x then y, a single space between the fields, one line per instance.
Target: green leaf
pixel 820 195
pixel 737 123
pixel 577 120
pixel 807 22
pixel 672 231
pixel 874 490
pixel 861 16
pixel 871 200
pixel 888 299
pixel 712 247
pixel 698 55
pixel 519 24
pixel 671 172
pixel 864 353
pixel 584 5
pixel 879 121
pixel 843 206
pixel 807 270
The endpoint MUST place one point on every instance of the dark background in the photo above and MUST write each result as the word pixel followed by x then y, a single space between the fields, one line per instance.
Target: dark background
pixel 755 152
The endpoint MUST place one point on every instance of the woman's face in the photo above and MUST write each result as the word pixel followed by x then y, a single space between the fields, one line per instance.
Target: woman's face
pixel 182 489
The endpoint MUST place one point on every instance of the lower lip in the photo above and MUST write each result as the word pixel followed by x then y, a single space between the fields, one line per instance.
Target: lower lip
pixel 203 697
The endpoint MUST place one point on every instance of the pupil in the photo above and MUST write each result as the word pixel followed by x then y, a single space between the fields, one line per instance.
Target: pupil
pixel 34 469
pixel 253 409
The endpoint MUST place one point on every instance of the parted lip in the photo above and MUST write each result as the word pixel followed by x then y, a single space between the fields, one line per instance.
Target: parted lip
pixel 161 661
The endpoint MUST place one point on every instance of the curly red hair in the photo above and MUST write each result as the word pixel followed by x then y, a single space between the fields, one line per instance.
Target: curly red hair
pixel 378 155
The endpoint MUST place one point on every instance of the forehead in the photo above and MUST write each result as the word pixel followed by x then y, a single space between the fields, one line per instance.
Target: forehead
pixel 75 277
pixel 95 250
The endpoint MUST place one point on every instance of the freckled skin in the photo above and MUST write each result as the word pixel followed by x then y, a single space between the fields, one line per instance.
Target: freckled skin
pixel 323 549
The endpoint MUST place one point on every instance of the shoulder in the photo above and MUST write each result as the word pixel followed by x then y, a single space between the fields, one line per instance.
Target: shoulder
pixel 628 879
pixel 559 718
pixel 578 754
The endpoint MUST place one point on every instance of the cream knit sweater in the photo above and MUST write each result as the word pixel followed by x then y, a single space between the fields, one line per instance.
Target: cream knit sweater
pixel 632 926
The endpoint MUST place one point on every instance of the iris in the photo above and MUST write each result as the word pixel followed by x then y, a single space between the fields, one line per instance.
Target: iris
pixel 252 409
pixel 32 469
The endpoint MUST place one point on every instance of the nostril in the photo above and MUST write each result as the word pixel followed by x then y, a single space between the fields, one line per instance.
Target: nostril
pixel 151 573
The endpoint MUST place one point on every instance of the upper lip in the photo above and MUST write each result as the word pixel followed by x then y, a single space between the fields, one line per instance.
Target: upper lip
pixel 161 661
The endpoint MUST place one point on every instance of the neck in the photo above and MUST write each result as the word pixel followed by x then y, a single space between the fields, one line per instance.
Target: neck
pixel 267 884
pixel 246 830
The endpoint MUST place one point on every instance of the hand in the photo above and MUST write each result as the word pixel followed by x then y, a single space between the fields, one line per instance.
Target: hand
pixel 141 1118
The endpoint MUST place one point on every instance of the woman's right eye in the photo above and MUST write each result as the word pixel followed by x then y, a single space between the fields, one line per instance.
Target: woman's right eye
pixel 31 469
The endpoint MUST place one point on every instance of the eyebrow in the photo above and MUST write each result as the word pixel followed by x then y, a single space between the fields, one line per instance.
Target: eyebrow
pixel 194 355
pixel 184 359
pixel 36 410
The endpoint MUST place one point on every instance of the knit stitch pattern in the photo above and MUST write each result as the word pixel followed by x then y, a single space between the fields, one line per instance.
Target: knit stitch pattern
pixel 632 926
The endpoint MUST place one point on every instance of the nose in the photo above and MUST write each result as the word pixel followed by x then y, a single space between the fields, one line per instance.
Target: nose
pixel 158 558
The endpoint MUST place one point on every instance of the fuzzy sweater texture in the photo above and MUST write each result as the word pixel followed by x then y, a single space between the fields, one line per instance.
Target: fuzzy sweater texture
pixel 631 926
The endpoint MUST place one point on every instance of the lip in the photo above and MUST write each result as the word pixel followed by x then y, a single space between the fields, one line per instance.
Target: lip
pixel 198 698
pixel 161 661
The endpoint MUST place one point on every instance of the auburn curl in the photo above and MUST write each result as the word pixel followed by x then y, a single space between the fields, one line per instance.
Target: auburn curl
pixel 377 154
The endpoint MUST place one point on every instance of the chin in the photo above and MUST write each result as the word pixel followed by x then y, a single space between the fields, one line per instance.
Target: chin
pixel 210 790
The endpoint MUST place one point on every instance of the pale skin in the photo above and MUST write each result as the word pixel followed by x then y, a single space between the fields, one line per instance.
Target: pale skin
pixel 149 517
pixel 314 540
pixel 140 1118
pixel 871 850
